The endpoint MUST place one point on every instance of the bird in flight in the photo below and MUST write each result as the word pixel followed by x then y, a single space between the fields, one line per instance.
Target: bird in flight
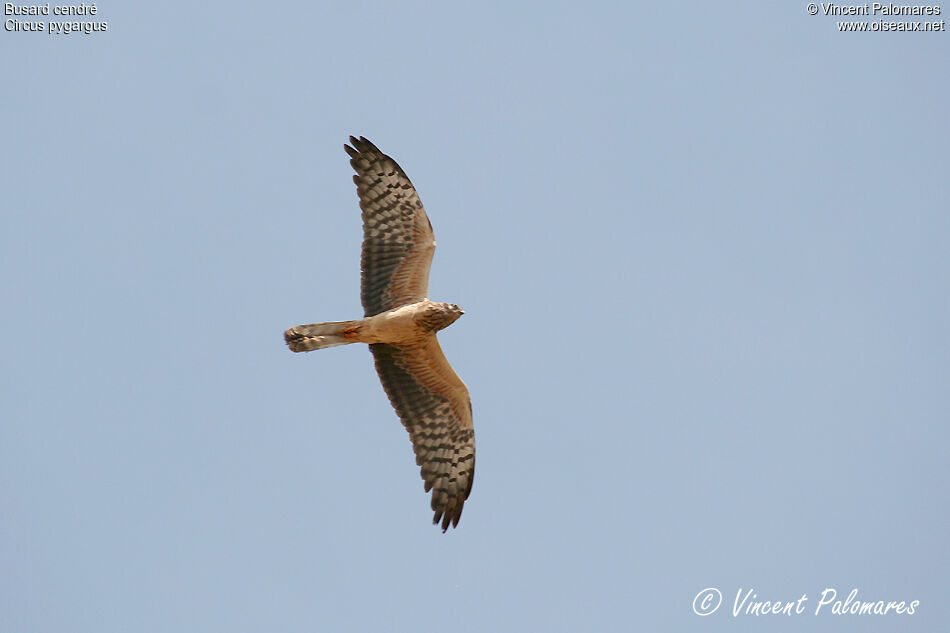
pixel 400 325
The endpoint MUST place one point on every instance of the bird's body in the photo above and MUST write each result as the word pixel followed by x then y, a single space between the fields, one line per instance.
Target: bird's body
pixel 405 325
pixel 400 326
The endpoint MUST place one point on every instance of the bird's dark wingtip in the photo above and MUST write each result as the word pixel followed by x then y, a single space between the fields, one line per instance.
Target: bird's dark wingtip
pixel 360 145
pixel 447 518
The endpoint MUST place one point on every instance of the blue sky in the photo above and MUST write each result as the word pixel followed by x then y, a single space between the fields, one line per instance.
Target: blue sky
pixel 702 251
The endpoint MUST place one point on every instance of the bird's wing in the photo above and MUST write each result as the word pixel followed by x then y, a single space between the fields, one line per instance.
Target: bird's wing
pixel 435 408
pixel 397 238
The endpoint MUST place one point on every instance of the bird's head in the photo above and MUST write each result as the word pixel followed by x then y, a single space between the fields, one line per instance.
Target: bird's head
pixel 441 315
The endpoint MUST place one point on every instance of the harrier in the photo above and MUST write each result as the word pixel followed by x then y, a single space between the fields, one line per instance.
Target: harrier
pixel 400 324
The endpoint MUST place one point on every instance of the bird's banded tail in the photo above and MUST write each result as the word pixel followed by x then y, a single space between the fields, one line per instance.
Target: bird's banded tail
pixel 306 338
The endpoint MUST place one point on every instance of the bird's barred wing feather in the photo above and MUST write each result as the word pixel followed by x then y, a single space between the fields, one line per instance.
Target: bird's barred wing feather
pixel 434 405
pixel 397 238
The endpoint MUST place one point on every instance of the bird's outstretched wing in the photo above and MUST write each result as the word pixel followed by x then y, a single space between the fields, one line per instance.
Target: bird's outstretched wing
pixel 397 238
pixel 435 408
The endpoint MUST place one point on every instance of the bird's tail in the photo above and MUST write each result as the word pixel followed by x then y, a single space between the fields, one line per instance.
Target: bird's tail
pixel 306 338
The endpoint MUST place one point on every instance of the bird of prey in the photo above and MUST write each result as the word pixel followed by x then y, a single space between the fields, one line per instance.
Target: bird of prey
pixel 400 324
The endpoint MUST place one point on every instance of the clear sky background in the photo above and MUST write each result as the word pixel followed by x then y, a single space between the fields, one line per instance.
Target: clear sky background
pixel 703 253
